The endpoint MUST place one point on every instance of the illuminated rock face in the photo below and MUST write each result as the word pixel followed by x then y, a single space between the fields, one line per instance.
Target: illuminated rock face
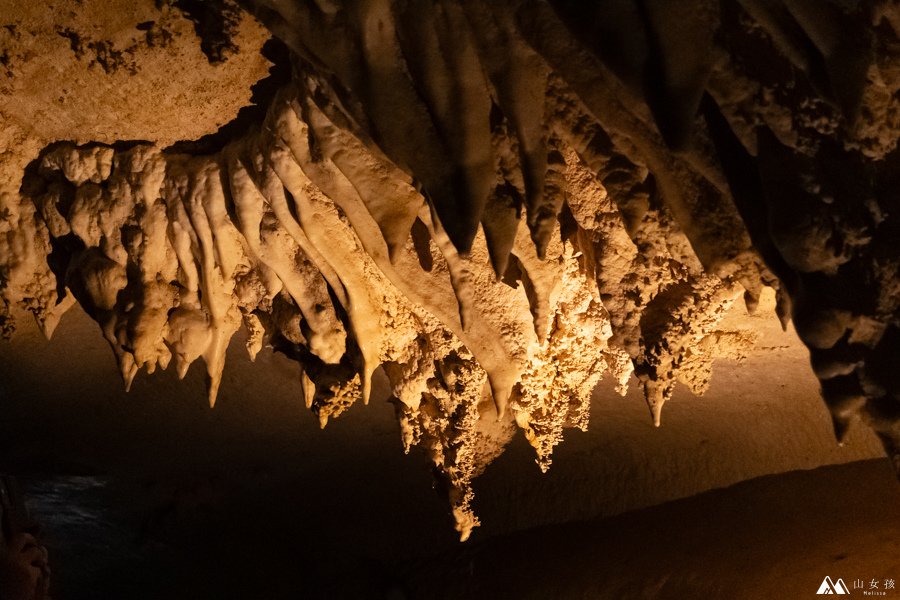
pixel 488 201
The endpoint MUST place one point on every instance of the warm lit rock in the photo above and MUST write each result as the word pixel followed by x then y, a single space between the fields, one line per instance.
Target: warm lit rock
pixel 479 197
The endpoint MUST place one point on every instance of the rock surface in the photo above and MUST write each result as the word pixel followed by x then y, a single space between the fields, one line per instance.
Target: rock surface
pixel 486 199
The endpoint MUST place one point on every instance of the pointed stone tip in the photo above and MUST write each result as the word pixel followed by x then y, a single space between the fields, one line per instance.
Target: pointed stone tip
pixel 48 319
pixel 128 375
pixel 308 388
pixel 460 231
pixel 783 308
pixel 501 400
pixel 751 302
pixel 213 391
pixel 841 429
pixel 366 386
pixel 540 237
pixel 47 330
pixel 656 413
pixel 465 524
pixel 499 261
pixel 323 420
pixel 463 238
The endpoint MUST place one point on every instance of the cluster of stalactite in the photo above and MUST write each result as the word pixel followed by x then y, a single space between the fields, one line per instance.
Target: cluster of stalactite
pixel 498 203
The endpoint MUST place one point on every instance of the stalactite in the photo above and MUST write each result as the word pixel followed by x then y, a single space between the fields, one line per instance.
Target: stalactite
pixel 476 197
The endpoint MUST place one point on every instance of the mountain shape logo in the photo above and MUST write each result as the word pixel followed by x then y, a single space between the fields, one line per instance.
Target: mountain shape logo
pixel 830 587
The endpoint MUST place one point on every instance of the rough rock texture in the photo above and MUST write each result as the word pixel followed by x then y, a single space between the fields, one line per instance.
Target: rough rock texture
pixel 101 72
pixel 499 203
pixel 110 71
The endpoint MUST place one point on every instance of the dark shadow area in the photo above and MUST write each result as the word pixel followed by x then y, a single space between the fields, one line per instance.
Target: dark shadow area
pixel 216 23
pixel 758 539
pixel 772 537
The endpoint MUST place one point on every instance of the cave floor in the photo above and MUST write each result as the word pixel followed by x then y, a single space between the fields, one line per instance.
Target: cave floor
pixel 776 536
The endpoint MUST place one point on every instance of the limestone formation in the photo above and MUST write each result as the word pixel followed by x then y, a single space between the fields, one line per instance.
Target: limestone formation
pixel 499 203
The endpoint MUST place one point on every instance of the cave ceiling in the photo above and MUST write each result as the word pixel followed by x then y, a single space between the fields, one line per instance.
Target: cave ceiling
pixel 498 203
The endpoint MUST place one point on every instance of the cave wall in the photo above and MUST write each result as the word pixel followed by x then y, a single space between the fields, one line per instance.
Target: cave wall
pixel 499 204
